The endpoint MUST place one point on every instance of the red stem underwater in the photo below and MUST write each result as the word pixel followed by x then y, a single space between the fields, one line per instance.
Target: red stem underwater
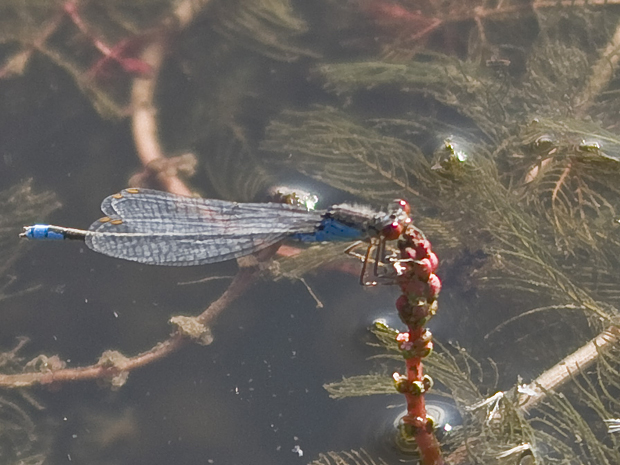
pixel 416 306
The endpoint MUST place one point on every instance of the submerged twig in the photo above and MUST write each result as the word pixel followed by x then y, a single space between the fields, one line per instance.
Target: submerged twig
pixel 115 367
pixel 144 111
pixel 566 369
pixel 603 71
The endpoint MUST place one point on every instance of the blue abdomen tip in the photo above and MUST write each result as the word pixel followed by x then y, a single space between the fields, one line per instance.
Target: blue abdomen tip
pixel 43 231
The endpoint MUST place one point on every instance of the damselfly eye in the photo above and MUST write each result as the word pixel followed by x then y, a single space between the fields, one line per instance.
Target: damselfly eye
pixel 393 231
pixel 403 205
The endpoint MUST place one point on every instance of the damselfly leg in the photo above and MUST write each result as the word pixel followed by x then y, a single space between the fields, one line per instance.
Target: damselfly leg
pixel 380 272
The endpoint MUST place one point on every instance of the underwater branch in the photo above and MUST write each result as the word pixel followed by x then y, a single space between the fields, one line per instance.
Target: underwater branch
pixel 115 367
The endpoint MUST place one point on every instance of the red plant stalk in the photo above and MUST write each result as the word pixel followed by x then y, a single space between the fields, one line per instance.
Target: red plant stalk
pixel 117 53
pixel 417 304
pixel 396 17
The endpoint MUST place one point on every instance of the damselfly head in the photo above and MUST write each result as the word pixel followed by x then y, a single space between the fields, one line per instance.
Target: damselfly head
pixel 399 219
pixel 402 205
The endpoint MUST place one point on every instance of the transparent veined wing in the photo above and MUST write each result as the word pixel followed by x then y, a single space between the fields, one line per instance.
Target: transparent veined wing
pixel 158 228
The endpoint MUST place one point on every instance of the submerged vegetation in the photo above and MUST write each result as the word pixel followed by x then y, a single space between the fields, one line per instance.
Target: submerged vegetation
pixel 24 433
pixel 496 120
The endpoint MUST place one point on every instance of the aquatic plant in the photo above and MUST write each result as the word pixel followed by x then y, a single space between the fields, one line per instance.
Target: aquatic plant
pixel 24 434
pixel 505 140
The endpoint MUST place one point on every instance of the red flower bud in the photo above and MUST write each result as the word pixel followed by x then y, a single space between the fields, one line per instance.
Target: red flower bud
pixel 434 261
pixel 415 287
pixel 416 317
pixel 402 304
pixel 409 253
pixel 404 342
pixel 423 248
pixel 423 269
pixel 434 286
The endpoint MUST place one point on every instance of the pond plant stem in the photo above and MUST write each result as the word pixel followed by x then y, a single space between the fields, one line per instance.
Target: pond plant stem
pixel 114 366
pixel 417 304
pixel 144 111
